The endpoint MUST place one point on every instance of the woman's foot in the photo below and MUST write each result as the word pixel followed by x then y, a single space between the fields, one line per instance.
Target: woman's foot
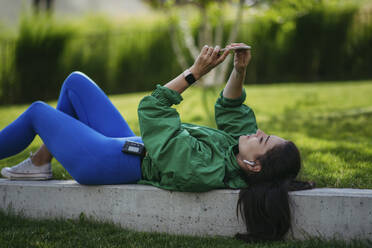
pixel 26 170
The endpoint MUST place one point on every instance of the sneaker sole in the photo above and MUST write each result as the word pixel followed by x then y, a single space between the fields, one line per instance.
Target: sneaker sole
pixel 30 178
pixel 27 177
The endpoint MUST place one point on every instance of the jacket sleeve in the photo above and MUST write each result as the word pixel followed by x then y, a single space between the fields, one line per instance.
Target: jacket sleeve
pixel 233 117
pixel 170 146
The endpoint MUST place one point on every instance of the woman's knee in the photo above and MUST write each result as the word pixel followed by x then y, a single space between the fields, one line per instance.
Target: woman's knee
pixel 76 74
pixel 38 108
pixel 77 80
pixel 38 105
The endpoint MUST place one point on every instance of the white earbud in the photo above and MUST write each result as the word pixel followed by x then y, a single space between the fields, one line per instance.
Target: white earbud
pixel 249 162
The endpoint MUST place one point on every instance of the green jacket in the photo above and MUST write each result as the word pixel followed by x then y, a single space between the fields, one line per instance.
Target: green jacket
pixel 186 157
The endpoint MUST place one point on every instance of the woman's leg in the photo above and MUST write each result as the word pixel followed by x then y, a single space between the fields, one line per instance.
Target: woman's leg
pixel 82 99
pixel 89 156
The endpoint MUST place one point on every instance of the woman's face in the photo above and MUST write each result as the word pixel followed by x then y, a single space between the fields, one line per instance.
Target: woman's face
pixel 254 145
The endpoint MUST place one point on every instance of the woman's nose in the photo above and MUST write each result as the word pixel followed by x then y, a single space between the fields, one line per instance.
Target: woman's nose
pixel 260 132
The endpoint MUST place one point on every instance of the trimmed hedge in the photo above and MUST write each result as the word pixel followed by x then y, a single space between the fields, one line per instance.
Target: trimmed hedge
pixel 311 47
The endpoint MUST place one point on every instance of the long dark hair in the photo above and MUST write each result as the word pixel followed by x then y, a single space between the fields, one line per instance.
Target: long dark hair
pixel 264 205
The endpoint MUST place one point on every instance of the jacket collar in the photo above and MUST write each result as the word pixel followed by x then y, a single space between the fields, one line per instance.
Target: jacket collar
pixel 233 174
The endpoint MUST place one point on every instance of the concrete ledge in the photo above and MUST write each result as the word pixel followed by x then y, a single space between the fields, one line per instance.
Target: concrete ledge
pixel 327 213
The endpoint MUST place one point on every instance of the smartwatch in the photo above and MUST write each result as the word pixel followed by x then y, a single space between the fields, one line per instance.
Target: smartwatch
pixel 189 77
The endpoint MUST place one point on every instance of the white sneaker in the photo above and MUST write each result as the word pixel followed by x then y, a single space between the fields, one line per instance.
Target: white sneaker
pixel 26 170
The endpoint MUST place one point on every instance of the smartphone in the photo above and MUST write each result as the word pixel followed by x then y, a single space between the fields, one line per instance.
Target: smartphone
pixel 134 148
pixel 235 48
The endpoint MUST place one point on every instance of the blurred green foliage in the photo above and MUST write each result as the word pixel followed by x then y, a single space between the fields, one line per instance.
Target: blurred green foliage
pixel 37 58
pixel 292 40
pixel 310 41
pixel 121 58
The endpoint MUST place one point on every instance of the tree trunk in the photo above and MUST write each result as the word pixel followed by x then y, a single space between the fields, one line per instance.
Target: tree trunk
pixel 188 37
pixel 38 5
pixel 232 37
pixel 176 48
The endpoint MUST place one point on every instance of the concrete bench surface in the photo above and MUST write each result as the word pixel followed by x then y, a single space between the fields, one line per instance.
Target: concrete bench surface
pixel 324 212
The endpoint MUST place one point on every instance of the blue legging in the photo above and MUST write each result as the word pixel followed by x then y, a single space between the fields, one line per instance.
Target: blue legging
pixel 85 134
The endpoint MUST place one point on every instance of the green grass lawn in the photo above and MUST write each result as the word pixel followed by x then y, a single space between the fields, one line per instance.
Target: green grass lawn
pixel 330 123
pixel 20 232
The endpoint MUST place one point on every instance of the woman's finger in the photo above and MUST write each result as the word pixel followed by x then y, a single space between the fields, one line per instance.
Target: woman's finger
pixel 204 49
pixel 224 55
pixel 210 50
pixel 215 52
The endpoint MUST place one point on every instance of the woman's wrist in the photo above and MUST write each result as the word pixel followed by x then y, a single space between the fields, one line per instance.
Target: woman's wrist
pixel 197 75
pixel 241 71
pixel 234 86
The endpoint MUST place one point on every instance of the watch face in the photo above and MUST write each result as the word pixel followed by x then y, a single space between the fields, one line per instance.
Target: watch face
pixel 190 79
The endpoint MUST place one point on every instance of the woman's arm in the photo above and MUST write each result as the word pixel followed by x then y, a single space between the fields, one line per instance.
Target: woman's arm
pixel 206 61
pixel 234 86
pixel 160 124
pixel 232 116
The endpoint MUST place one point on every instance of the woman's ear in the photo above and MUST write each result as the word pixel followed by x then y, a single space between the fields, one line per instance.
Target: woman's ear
pixel 256 168
pixel 253 166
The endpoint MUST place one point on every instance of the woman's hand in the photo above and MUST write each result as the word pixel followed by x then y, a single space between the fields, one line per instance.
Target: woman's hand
pixel 207 60
pixel 234 86
pixel 241 57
